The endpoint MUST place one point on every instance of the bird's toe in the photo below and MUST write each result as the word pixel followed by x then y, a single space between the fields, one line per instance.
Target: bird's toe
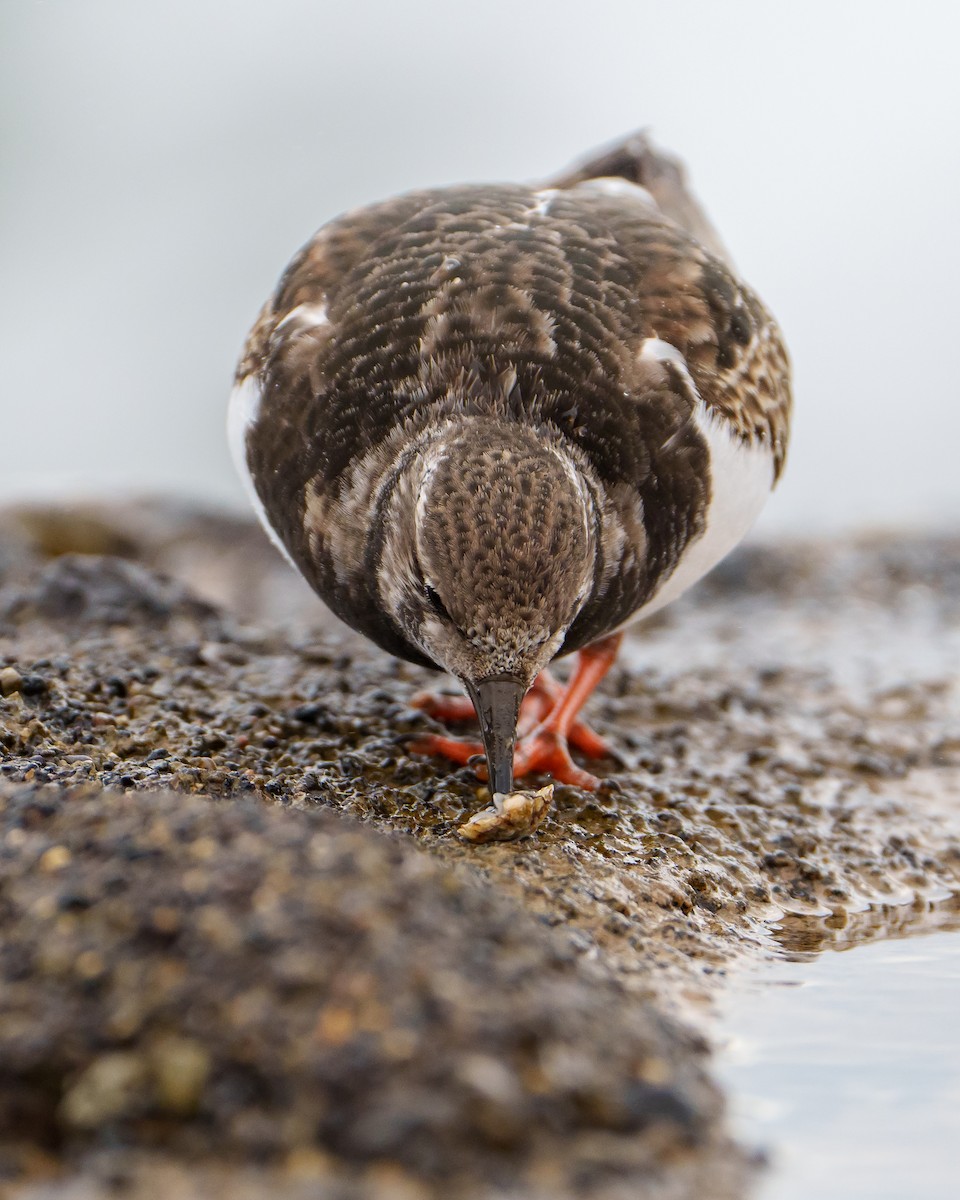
pixel 548 752
pixel 438 746
pixel 444 706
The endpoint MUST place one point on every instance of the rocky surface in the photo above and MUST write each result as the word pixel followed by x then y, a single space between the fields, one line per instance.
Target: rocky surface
pixel 189 974
pixel 262 958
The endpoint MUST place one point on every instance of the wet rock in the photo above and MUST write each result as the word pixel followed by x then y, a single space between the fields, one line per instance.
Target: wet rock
pixel 268 981
pixel 110 1088
pixel 10 681
pixel 383 1016
pixel 212 549
pixel 89 590
pixel 179 1066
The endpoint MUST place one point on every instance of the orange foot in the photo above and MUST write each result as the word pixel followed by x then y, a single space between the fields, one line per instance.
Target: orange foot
pixel 548 724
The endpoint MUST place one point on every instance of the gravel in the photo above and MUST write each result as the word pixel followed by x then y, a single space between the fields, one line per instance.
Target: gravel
pixel 244 949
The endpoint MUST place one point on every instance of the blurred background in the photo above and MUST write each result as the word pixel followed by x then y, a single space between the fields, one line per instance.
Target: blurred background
pixel 162 162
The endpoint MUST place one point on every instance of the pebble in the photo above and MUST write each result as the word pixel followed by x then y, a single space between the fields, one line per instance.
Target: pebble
pixel 34 685
pixel 111 1086
pixel 55 859
pixel 10 681
pixel 180 1067
pixel 90 965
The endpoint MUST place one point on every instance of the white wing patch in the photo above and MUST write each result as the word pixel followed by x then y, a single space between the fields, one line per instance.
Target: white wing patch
pixel 741 476
pixel 242 414
pixel 654 349
pixel 307 315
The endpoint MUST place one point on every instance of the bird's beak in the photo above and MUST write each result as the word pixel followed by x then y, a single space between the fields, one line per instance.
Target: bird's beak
pixel 497 702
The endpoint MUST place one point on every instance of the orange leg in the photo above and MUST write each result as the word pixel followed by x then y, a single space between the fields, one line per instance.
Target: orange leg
pixel 454 709
pixel 579 735
pixel 544 695
pixel 547 748
pixel 548 722
pixel 444 706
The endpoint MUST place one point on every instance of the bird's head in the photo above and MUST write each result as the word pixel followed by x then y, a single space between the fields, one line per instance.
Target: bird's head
pixel 488 558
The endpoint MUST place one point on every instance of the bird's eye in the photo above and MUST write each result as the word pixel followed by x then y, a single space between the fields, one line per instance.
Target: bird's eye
pixel 435 602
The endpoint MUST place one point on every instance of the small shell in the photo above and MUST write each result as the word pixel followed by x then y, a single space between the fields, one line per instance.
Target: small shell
pixel 514 815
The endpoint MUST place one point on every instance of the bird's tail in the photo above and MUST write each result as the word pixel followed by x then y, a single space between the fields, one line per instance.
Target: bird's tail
pixel 664 177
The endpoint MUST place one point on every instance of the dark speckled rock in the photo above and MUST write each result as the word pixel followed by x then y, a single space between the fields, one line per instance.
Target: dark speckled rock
pixel 214 962
pixel 93 590
pixel 191 976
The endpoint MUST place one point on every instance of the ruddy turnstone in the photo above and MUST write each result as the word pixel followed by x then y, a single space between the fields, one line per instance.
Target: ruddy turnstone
pixel 491 425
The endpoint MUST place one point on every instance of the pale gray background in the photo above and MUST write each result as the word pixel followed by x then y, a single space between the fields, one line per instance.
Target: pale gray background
pixel 162 161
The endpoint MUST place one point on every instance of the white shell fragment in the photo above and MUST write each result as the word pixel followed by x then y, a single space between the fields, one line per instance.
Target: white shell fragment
pixel 513 815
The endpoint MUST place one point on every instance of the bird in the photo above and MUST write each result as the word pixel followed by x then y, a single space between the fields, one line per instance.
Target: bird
pixel 494 424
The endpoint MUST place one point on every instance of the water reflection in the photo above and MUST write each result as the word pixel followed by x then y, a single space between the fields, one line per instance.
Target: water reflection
pixel 846 1068
pixel 802 939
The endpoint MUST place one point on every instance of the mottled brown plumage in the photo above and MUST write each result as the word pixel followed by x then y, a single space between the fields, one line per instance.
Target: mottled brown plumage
pixel 483 421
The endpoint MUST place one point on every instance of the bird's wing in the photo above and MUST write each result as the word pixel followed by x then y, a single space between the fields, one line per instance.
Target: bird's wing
pixel 691 297
pixel 639 162
pixel 688 298
pixel 303 303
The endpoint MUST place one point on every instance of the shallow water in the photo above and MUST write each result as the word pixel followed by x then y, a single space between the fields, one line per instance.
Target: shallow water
pixel 845 1070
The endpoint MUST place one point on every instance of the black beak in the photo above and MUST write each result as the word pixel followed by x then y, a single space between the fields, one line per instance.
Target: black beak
pixel 497 702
